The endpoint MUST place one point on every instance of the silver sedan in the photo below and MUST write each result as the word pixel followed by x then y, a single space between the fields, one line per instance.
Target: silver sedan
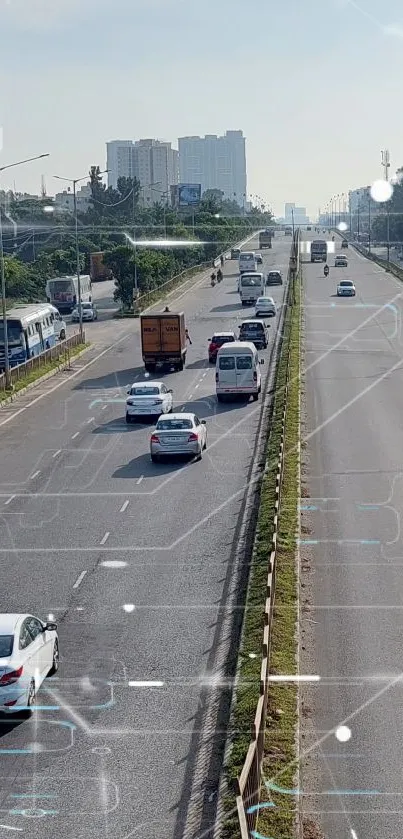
pixel 178 434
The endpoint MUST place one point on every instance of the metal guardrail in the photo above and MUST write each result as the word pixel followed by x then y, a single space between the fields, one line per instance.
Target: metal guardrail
pixel 248 784
pixel 60 352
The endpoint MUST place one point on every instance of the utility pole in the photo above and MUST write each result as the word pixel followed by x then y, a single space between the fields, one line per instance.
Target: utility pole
pixel 385 158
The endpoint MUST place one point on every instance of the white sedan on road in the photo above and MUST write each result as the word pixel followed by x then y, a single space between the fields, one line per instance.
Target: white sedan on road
pixel 89 312
pixel 340 261
pixel 178 434
pixel 265 306
pixel 148 399
pixel 346 288
pixel 29 651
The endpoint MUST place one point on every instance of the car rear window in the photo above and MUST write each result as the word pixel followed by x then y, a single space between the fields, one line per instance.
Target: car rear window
pixel 274 274
pixel 227 362
pixel 6 645
pixel 174 425
pixel 252 327
pixel 222 339
pixel 346 284
pixel 144 391
pixel 244 362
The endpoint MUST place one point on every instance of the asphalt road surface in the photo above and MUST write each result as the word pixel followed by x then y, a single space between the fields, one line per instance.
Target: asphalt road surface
pixel 352 553
pixel 136 562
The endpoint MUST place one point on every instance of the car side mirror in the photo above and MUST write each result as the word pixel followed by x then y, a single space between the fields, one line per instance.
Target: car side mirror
pixel 128 390
pixel 261 361
pixel 203 422
pixel 170 390
pixel 51 626
pixel 209 339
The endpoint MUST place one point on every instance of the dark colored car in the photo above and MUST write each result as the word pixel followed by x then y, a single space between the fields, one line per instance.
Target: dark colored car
pixel 274 278
pixel 255 331
pixel 217 341
pixel 235 253
pixel 344 243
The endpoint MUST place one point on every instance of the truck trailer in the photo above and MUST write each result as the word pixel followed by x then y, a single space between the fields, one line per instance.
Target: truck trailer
pixel 265 237
pixel 163 340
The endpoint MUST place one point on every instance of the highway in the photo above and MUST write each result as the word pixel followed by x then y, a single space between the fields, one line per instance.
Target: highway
pixel 352 553
pixel 142 566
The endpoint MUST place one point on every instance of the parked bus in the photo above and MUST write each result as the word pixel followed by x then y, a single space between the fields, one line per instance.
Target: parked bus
pixel 62 292
pixel 30 331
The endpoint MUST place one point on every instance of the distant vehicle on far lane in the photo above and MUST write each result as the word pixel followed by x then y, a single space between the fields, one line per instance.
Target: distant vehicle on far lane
pixel 235 253
pixel 346 288
pixel 29 651
pixel 344 243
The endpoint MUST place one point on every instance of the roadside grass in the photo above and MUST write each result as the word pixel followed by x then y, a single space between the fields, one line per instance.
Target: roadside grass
pixel 37 374
pixel 149 297
pixel 283 643
pixel 279 764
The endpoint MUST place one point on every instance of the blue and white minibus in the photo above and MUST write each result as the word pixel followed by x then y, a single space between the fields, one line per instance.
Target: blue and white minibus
pixel 31 329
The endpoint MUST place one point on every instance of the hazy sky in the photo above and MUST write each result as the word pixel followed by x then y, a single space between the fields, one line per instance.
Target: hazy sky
pixel 315 85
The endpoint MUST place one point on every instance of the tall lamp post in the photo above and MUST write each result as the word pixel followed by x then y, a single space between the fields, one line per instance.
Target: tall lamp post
pixel 76 181
pixel 3 274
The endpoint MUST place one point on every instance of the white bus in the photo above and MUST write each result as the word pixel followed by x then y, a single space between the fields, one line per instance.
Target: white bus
pixel 251 286
pixel 247 261
pixel 31 330
pixel 62 292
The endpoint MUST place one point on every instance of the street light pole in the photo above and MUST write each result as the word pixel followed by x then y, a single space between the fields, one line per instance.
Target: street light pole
pixel 3 274
pixel 76 181
pixel 80 308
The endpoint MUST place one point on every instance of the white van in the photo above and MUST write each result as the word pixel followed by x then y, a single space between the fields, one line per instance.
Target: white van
pixel 251 286
pixel 58 323
pixel 247 262
pixel 238 370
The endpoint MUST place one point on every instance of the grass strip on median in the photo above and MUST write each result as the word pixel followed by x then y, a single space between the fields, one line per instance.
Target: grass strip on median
pixel 280 740
pixel 43 370
pixel 279 765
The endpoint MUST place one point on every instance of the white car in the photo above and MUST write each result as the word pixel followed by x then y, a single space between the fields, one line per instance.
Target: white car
pixel 340 261
pixel 265 306
pixel 259 259
pixel 89 312
pixel 29 651
pixel 148 399
pixel 346 289
pixel 178 434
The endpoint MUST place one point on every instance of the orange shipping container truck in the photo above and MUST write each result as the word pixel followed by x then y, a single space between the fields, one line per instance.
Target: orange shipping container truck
pixel 99 271
pixel 163 340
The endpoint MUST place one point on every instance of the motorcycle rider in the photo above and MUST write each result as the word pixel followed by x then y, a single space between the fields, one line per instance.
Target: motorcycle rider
pixel 326 270
pixel 213 279
pixel 219 275
pixel 167 309
pixel 222 261
pixel 188 338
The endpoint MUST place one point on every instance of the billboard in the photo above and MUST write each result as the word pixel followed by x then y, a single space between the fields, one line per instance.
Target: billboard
pixel 187 195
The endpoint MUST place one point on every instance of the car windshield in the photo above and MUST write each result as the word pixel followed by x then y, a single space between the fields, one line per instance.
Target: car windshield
pixel 174 424
pixel 249 281
pixel 273 274
pixel 265 301
pixel 86 305
pixel 346 283
pixel 144 391
pixel 6 645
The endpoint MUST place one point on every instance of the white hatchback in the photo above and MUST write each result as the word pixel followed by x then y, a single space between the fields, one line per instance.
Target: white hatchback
pixel 29 651
pixel 265 306
pixel 149 399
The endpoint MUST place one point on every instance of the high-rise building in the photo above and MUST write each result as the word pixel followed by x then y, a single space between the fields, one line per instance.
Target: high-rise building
pixel 296 215
pixel 153 162
pixel 215 163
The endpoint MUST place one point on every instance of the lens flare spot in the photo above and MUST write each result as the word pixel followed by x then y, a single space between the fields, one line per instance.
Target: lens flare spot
pixel 343 733
pixel 342 226
pixel 381 191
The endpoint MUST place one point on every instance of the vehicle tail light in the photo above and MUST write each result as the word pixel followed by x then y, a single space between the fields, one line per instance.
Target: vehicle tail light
pixel 216 377
pixel 193 438
pixel 11 677
pixel 255 376
pixel 155 438
pixel 9 704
